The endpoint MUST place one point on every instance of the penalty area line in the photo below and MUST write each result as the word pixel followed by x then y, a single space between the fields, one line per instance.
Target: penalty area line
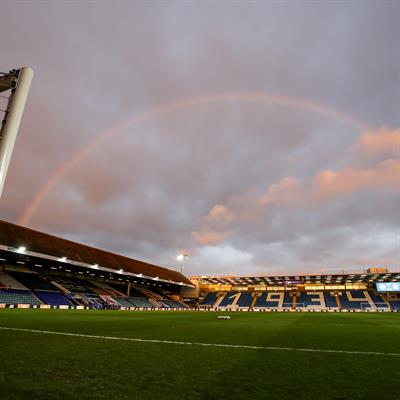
pixel 229 346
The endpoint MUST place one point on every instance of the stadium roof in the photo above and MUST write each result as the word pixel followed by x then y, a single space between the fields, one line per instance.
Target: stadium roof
pixel 17 239
pixel 336 279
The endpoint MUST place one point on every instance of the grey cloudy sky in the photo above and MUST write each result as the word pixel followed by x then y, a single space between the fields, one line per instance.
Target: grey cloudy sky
pixel 257 136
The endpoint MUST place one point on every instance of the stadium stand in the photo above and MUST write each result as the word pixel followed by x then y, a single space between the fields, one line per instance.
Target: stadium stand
pixel 356 300
pixel 394 302
pixel 14 296
pixel 7 281
pixel 274 300
pixel 73 285
pixel 53 298
pixel 378 300
pixel 330 301
pixel 12 236
pixel 209 299
pixel 245 300
pixel 310 300
pixel 174 304
pixel 123 302
pixel 228 299
pixel 32 281
pixel 36 269
pixel 141 302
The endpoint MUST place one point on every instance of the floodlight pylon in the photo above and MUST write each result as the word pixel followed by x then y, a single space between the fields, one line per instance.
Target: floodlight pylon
pixel 15 84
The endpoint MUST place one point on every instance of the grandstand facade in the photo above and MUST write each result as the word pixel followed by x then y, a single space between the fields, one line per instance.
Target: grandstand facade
pixel 340 292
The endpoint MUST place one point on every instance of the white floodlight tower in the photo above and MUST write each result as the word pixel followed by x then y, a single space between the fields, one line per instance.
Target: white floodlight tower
pixel 182 258
pixel 17 82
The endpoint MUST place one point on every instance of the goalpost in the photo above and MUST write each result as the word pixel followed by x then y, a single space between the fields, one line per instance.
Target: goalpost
pixel 14 89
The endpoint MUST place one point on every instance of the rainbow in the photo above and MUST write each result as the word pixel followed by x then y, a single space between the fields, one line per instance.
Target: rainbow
pixel 180 105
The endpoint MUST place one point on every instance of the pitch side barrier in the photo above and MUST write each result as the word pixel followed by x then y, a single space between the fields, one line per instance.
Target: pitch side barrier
pixel 367 308
pixel 66 307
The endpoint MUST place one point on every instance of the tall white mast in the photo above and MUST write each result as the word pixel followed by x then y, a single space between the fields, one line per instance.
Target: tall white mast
pixel 18 81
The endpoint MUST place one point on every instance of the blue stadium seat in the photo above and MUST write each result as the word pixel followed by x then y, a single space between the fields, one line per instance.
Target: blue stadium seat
pixel 378 300
pixel 53 298
pixel 228 299
pixel 210 299
pixel 245 300
pixel 262 302
pixel 348 304
pixel 330 300
pixel 305 300
pixel 15 296
pixel 394 304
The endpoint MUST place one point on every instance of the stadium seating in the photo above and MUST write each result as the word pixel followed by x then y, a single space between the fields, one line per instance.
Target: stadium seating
pixel 356 300
pixel 74 285
pixel 330 300
pixel 394 301
pixel 210 299
pixel 109 300
pixel 14 296
pixel 274 300
pixel 123 302
pixel 228 299
pixel 141 302
pixel 32 281
pixel 53 298
pixel 173 304
pixel 245 300
pixel 378 300
pixel 394 304
pixel 7 281
pixel 310 300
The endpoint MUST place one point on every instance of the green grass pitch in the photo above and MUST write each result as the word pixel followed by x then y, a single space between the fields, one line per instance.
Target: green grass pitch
pixel 47 366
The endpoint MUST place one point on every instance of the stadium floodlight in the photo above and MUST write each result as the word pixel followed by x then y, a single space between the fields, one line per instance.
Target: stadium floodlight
pixel 182 257
pixel 21 249
pixel 17 83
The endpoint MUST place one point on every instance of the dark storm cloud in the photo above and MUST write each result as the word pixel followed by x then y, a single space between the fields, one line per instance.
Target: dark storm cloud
pixel 244 187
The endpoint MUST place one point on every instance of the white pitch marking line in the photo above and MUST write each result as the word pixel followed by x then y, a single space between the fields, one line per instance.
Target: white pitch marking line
pixel 234 346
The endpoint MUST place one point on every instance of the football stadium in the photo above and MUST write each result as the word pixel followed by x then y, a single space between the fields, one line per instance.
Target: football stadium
pixel 76 320
pixel 212 133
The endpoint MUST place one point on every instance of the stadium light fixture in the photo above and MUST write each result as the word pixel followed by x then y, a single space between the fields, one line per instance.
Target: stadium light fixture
pixel 21 249
pixel 182 257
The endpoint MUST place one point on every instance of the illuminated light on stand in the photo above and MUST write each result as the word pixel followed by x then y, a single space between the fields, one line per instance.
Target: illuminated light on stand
pixel 21 249
pixel 181 258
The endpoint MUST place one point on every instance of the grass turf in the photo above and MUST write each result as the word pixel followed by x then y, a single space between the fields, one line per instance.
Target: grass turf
pixel 39 366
